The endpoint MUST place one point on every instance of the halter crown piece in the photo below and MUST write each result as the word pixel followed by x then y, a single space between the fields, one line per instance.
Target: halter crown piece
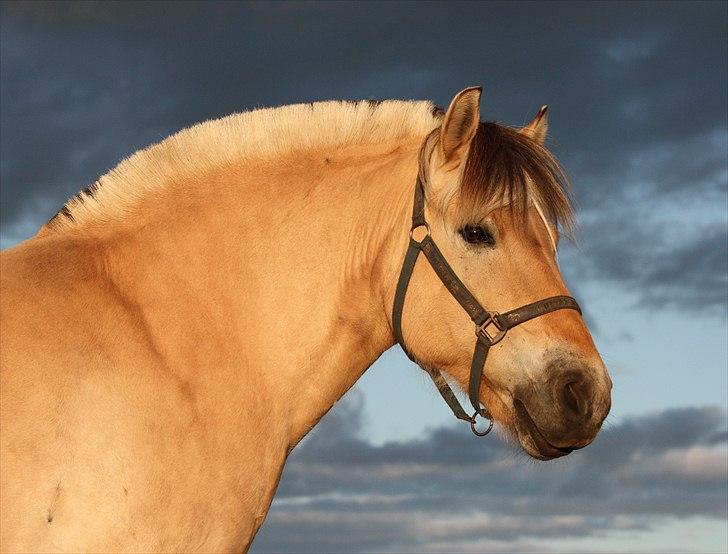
pixel 490 327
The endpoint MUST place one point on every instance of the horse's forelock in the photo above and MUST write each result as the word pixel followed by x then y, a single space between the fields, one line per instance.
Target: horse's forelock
pixel 506 167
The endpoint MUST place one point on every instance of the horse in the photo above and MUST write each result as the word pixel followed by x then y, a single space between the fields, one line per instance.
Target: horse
pixel 181 324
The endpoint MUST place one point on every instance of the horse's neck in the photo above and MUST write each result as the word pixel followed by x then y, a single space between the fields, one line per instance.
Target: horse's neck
pixel 295 266
pixel 338 267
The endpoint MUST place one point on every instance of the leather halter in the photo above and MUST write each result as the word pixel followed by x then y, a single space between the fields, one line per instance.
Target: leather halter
pixel 490 327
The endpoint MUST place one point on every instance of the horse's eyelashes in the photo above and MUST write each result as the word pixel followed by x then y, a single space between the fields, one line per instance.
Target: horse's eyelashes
pixel 477 234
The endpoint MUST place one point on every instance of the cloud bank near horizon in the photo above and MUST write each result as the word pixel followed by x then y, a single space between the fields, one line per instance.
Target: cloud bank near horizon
pixel 449 491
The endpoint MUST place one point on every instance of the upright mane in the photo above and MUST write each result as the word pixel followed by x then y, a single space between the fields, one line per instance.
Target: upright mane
pixel 260 134
pixel 502 164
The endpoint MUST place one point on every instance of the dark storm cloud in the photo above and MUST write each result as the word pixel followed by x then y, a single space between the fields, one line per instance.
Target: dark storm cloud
pixel 424 494
pixel 699 266
pixel 637 94
pixel 680 265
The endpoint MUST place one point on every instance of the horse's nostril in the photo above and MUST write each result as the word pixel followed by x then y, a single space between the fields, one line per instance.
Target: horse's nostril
pixel 571 398
pixel 575 396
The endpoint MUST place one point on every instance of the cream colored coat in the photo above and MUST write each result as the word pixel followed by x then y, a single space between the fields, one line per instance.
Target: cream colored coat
pixel 164 350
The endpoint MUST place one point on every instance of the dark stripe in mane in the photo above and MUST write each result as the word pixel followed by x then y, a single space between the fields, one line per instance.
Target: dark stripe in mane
pixel 63 212
pixel 87 192
pixel 372 103
pixel 500 163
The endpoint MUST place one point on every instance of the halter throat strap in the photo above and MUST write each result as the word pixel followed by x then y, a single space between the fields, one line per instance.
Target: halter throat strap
pixel 490 327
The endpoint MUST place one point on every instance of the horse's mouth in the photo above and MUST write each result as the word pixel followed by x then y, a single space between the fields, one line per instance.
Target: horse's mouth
pixel 531 439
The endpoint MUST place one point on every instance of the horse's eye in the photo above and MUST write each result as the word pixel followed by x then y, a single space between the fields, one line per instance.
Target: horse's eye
pixel 475 234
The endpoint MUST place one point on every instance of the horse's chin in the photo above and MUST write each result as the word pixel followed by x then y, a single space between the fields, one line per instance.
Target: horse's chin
pixel 531 439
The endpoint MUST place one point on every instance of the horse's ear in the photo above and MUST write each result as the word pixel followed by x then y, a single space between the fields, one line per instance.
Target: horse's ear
pixel 538 128
pixel 459 125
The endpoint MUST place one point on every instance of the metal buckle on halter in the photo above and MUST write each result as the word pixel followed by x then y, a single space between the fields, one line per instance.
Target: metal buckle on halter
pixel 474 429
pixel 482 329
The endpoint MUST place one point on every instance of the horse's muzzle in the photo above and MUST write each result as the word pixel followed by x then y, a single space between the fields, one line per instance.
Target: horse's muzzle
pixel 563 413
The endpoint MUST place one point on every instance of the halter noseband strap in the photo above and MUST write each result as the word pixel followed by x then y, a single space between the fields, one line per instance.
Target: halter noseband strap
pixel 490 327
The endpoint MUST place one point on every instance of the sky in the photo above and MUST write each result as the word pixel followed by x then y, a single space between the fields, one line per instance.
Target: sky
pixel 638 97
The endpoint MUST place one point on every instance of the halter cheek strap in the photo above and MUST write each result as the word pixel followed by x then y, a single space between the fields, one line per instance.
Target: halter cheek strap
pixel 490 327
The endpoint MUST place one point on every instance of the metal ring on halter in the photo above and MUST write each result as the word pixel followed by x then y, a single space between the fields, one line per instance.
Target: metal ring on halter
pixel 427 228
pixel 474 429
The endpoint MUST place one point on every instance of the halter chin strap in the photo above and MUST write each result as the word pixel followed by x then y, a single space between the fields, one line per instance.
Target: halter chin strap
pixel 490 327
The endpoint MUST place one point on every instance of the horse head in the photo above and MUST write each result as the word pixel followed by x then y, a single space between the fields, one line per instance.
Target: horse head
pixel 494 200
